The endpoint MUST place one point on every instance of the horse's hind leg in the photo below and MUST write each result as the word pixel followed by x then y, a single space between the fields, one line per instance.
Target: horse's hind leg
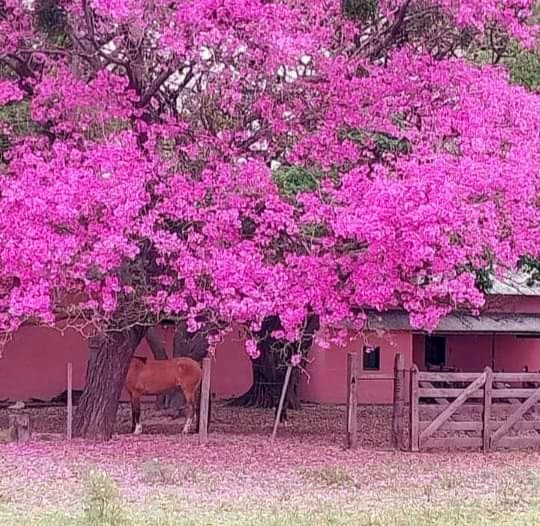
pixel 136 426
pixel 189 413
pixel 190 395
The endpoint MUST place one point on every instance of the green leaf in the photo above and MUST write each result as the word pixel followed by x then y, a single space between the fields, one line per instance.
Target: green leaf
pixel 292 180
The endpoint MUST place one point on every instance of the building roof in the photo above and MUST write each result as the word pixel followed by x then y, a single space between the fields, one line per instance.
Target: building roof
pixel 515 284
pixel 492 322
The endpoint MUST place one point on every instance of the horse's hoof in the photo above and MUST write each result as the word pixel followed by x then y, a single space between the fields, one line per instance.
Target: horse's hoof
pixel 138 429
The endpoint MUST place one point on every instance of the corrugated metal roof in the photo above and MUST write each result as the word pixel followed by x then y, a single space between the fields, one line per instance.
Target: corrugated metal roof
pixel 500 322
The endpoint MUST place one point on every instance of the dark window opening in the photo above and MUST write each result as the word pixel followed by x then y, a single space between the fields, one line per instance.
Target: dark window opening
pixel 372 358
pixel 435 351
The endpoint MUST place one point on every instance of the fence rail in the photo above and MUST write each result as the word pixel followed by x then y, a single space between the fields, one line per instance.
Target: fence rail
pixel 487 410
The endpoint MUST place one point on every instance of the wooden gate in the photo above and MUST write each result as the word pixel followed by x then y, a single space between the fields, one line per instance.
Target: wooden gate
pixel 487 410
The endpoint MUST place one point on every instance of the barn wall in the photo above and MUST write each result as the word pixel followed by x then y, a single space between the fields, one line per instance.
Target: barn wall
pixel 472 352
pixel 34 366
pixel 512 353
pixel 327 381
pixel 34 363
pixel 418 343
pixel 469 352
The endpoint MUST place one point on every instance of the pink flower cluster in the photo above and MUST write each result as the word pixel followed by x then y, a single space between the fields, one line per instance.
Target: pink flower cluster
pixel 151 179
pixel 9 92
pixel 479 15
pixel 251 349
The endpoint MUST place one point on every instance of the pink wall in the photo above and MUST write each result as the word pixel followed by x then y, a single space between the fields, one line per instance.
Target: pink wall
pixel 34 366
pixel 34 363
pixel 418 342
pixel 472 352
pixel 512 353
pixel 328 381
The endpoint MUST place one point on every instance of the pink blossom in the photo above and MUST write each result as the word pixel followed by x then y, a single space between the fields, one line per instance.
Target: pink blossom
pixel 148 184
pixel 9 92
pixel 296 359
pixel 251 349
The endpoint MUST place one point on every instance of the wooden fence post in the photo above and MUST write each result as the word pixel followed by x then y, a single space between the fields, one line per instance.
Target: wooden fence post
pixel 19 426
pixel 69 431
pixel 398 405
pixel 205 400
pixel 282 400
pixel 486 416
pixel 352 400
pixel 414 411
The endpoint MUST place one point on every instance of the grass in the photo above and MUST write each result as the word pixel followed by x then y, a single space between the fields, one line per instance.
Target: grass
pixel 516 502
pixel 327 476
pixel 464 514
pixel 102 503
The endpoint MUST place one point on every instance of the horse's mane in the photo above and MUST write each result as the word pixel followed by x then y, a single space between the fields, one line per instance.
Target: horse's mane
pixel 143 359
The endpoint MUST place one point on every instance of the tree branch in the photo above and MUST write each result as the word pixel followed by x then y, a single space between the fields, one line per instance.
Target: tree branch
pixel 393 31
pixel 91 30
pixel 155 86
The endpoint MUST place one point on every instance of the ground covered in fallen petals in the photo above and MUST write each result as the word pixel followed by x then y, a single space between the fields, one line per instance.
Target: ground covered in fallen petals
pixel 241 477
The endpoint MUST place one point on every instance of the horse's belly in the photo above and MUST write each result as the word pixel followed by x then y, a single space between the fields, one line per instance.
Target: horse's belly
pixel 156 384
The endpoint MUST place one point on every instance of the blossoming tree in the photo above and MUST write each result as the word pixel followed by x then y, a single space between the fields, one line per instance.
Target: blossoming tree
pixel 152 152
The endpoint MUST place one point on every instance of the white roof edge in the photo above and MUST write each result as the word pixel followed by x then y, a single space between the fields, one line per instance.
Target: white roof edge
pixel 515 284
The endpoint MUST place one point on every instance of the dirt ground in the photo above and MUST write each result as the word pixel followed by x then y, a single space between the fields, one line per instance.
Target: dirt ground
pixel 318 424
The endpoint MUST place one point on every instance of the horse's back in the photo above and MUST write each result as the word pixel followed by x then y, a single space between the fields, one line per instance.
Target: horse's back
pixel 189 370
pixel 157 376
pixel 188 364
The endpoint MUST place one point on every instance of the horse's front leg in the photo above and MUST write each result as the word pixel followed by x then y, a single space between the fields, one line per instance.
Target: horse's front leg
pixel 189 420
pixel 189 413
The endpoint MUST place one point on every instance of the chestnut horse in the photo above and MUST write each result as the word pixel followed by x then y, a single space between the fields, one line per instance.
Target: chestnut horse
pixel 158 376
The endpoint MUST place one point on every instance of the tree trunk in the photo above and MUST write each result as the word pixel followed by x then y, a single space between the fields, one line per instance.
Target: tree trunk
pixel 191 344
pixel 267 382
pixel 270 367
pixel 268 377
pixel 110 356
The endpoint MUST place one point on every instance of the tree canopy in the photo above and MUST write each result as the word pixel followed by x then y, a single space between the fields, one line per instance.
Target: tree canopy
pixel 239 159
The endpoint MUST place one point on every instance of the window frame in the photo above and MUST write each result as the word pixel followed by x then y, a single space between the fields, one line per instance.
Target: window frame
pixel 376 351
